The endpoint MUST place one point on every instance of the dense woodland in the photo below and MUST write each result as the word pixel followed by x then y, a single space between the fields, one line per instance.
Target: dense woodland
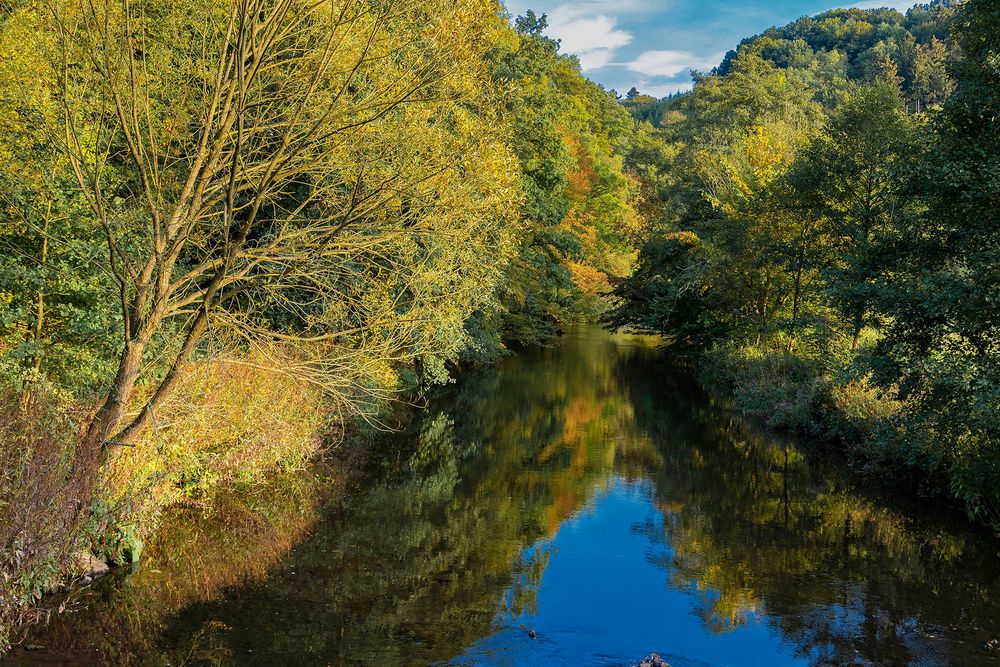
pixel 827 241
pixel 229 229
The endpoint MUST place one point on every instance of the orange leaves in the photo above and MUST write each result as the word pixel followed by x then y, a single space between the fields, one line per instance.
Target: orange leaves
pixel 589 280
pixel 582 179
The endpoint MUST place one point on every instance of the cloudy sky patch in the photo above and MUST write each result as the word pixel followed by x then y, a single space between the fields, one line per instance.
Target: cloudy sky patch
pixel 654 44
pixel 668 64
pixel 594 38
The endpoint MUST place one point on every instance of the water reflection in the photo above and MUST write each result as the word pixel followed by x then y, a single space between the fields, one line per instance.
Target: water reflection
pixel 588 493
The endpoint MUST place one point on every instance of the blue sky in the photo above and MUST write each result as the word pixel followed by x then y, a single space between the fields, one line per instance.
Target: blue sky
pixel 653 44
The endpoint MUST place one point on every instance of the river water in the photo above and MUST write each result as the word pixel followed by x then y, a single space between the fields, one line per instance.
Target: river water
pixel 589 494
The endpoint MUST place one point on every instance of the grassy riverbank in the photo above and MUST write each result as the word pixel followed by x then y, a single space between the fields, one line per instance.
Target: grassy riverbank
pixel 839 405
pixel 229 429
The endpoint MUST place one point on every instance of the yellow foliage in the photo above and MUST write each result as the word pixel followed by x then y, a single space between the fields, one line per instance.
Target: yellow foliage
pixel 588 279
pixel 228 421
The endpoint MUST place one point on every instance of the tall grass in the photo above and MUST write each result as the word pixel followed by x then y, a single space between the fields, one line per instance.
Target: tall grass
pixel 231 424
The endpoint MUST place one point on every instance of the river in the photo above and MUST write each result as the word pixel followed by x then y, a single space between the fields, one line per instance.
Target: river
pixel 588 494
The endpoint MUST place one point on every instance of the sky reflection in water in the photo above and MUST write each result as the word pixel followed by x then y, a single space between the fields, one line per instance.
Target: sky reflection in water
pixel 605 597
pixel 589 492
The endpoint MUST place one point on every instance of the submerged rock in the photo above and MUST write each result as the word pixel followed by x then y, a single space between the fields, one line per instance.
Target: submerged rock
pixel 90 565
pixel 653 660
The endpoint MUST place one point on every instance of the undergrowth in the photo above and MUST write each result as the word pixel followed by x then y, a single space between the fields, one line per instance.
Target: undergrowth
pixel 230 424
pixel 888 436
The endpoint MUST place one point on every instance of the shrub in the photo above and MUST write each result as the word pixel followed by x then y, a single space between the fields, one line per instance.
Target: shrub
pixel 229 425
pixel 780 389
pixel 860 411
pixel 37 507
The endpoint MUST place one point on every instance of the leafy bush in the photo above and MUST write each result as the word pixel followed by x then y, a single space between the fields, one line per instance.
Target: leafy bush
pixel 782 390
pixel 230 425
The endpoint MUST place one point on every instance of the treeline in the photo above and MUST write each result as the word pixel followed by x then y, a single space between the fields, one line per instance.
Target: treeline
pixel 229 227
pixel 828 243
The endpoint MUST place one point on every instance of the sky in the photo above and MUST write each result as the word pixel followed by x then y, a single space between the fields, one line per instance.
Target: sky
pixel 654 44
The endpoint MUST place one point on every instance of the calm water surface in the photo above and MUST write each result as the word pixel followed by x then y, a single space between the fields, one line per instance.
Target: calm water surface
pixel 588 493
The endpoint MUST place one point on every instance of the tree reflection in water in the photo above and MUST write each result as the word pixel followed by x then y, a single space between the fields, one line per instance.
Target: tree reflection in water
pixel 465 530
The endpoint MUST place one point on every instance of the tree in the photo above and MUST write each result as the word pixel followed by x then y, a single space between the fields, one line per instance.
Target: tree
pixel 670 294
pixel 855 177
pixel 942 343
pixel 931 81
pixel 736 136
pixel 255 169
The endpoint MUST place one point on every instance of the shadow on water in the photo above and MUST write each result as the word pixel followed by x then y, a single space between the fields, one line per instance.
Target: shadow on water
pixel 588 493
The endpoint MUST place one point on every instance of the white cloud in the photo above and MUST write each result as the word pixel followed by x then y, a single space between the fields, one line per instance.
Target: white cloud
pixel 662 90
pixel 592 7
pixel 594 39
pixel 672 63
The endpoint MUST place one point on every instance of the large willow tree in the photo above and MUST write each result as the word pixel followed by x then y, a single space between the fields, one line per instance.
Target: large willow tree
pixel 316 180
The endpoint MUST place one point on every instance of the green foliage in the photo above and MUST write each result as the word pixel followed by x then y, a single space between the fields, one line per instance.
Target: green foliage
pixel 56 323
pixel 730 149
pixel 942 341
pixel 851 45
pixel 783 391
pixel 851 179
pixel 828 237
pixel 669 294
pixel 569 135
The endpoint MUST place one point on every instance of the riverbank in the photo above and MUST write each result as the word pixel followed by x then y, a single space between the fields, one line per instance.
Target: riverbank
pixel 836 405
pixel 549 493
pixel 196 553
pixel 230 434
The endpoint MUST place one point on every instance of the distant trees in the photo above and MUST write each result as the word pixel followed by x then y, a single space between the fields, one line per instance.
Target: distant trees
pixel 569 135
pixel 845 45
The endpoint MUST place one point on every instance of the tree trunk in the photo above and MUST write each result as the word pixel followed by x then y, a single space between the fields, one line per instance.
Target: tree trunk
pixel 796 296
pixel 859 322
pixel 91 448
pixel 198 328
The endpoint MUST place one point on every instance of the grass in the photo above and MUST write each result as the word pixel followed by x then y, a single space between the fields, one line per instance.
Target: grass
pixel 230 425
pixel 930 449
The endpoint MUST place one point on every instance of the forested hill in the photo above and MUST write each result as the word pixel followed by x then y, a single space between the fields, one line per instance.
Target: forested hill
pixel 825 242
pixel 855 45
pixel 830 51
